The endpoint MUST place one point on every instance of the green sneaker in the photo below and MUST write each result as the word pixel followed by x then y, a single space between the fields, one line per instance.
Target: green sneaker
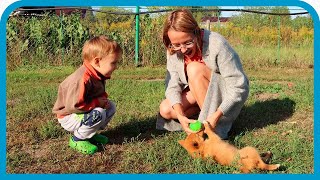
pixel 99 138
pixel 85 147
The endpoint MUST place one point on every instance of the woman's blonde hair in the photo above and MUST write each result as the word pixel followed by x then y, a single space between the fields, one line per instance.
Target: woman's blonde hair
pixel 181 20
pixel 99 46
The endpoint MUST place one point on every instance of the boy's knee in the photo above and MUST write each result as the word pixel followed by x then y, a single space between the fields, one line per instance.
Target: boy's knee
pixel 111 110
pixel 112 106
pixel 94 117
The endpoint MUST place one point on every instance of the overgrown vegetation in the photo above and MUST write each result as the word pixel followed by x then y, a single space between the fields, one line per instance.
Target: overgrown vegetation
pixel 57 40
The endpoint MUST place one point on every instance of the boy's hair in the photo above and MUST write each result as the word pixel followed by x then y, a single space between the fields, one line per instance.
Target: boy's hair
pixel 180 20
pixel 99 46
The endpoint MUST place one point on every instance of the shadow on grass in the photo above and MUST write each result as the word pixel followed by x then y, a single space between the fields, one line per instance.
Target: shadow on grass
pixel 259 115
pixel 139 129
pixel 262 114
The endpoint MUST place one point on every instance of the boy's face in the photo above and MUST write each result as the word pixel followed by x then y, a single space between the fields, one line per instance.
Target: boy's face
pixel 107 64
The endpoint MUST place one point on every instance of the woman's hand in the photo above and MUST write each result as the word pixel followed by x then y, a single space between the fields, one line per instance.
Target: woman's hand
pixel 214 118
pixel 184 121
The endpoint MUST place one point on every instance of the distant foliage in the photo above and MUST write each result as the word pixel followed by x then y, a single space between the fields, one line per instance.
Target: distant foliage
pixel 57 40
pixel 266 35
pixel 47 40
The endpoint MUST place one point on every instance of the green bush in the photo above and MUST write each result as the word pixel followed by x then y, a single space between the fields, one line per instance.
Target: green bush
pixel 52 40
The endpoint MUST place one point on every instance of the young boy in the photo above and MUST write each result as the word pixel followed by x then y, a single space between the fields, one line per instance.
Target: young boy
pixel 82 105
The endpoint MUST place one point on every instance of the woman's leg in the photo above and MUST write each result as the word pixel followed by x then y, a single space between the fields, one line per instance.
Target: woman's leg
pixel 198 78
pixel 189 104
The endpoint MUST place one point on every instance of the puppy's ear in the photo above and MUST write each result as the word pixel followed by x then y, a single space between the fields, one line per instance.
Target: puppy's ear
pixel 181 142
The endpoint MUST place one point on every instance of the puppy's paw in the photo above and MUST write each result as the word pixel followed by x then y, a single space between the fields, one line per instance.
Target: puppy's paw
pixel 206 126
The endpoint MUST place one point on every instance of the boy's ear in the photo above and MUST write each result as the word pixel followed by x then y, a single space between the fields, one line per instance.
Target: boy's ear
pixel 96 61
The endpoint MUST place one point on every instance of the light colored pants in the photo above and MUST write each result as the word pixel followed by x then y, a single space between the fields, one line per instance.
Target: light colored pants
pixel 84 126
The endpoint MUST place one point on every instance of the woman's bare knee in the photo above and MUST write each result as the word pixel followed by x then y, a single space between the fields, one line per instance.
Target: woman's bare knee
pixel 165 109
pixel 194 70
pixel 197 71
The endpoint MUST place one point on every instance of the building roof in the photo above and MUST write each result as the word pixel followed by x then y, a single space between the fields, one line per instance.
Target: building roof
pixel 215 19
pixel 40 10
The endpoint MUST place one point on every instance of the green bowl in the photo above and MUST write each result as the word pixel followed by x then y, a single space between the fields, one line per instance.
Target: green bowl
pixel 196 126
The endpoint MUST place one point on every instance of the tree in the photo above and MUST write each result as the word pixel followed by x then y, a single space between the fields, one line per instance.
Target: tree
pixel 258 20
pixel 285 19
pixel 109 15
pixel 302 21
pixel 197 11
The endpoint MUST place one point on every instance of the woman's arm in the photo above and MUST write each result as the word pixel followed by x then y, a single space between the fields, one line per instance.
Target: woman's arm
pixel 174 85
pixel 214 118
pixel 236 88
pixel 237 84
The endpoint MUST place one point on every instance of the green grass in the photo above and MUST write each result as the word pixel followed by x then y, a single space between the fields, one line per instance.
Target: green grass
pixel 278 116
pixel 271 56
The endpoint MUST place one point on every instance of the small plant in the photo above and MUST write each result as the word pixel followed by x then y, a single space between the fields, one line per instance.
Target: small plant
pixel 50 130
pixel 18 159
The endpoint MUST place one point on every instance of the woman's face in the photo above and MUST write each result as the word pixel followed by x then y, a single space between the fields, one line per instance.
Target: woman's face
pixel 184 42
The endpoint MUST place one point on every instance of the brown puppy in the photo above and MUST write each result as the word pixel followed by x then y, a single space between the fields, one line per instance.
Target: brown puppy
pixel 246 158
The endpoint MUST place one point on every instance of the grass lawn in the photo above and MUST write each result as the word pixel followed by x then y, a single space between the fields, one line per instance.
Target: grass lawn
pixel 278 116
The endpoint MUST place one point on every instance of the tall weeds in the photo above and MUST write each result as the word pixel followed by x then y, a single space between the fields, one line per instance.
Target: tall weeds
pixel 51 40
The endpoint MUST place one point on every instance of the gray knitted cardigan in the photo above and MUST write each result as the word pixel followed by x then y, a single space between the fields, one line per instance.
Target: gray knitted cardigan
pixel 228 88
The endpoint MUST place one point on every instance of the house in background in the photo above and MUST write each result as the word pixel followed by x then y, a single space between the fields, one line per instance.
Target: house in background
pixel 213 21
pixel 41 10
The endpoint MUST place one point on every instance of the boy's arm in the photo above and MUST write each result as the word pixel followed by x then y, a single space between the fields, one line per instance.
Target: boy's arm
pixel 73 98
pixel 96 102
pixel 77 100
pixel 82 106
pixel 83 102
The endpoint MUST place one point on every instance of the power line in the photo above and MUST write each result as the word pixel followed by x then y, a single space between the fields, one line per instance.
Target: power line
pixel 160 11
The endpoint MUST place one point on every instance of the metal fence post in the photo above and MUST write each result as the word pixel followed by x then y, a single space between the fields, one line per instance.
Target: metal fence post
pixel 219 21
pixel 208 24
pixel 279 38
pixel 137 37
pixel 62 48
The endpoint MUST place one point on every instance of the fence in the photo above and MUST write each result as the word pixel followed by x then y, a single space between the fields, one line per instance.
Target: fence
pixel 56 37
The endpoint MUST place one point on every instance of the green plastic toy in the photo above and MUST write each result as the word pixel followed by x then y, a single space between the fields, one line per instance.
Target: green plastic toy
pixel 196 126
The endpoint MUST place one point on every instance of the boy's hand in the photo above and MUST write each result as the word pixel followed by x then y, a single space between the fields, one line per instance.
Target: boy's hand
pixel 107 105
pixel 103 102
